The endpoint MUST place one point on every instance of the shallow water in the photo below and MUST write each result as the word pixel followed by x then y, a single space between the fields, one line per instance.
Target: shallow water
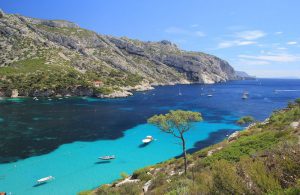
pixel 64 137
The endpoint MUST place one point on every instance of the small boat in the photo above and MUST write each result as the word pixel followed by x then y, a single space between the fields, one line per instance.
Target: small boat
pixel 148 139
pixel 245 96
pixel 35 98
pixel 107 157
pixel 209 95
pixel 45 179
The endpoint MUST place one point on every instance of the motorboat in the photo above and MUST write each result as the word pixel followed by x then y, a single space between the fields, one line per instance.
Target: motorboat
pixel 148 139
pixel 245 96
pixel 45 179
pixel 109 157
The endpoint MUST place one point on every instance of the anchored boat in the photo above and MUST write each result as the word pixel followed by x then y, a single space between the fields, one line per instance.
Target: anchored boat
pixel 148 139
pixel 107 157
pixel 45 179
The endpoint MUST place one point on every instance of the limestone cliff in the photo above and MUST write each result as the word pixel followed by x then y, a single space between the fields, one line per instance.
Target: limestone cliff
pixel 38 56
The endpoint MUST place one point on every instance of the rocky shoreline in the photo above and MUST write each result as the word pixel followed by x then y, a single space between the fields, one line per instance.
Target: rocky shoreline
pixel 86 91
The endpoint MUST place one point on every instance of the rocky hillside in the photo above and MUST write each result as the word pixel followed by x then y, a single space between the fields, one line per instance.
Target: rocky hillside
pixel 262 159
pixel 56 57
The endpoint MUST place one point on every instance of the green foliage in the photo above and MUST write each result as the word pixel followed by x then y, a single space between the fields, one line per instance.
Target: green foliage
pixel 248 145
pixel 265 159
pixel 104 90
pixel 87 192
pixel 128 189
pixel 175 122
pixel 245 120
pixel 142 174
pixel 30 75
pixel 260 175
pixel 124 175
pixel 225 179
pixel 34 74
pixel 280 119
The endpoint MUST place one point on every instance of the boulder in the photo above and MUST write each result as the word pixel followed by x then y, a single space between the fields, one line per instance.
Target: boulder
pixel 146 186
pixel 295 124
pixel 14 93
pixel 2 14
pixel 233 136
pixel 211 152
pixel 127 180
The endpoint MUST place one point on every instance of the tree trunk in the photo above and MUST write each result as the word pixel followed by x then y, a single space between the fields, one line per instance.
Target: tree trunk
pixel 184 154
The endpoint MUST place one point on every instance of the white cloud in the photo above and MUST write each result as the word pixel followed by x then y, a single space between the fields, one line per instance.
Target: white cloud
pixel 180 31
pixel 227 44
pixel 292 43
pixel 250 34
pixel 242 38
pixel 273 57
pixel 278 33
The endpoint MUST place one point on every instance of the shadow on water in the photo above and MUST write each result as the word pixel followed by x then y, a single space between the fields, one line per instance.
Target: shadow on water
pixel 143 145
pixel 214 137
pixel 102 162
pixel 39 184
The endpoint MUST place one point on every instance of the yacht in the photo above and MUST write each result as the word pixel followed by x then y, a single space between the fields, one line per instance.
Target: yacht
pixel 148 139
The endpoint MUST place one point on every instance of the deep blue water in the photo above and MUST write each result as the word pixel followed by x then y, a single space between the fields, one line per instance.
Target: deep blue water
pixel 64 137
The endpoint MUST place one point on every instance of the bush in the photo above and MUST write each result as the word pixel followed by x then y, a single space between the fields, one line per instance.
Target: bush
pixel 124 175
pixel 245 120
pixel 226 180
pixel 142 174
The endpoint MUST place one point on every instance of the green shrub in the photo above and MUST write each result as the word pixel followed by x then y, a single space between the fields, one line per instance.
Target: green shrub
pixel 245 120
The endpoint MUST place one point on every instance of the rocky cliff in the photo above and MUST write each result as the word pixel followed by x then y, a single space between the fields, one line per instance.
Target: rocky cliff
pixel 56 57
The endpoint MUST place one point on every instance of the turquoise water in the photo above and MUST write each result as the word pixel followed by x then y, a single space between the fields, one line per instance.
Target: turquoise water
pixel 76 167
pixel 65 137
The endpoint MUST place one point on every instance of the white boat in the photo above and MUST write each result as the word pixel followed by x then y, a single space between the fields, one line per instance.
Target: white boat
pixel 107 157
pixel 209 95
pixel 245 96
pixel 45 179
pixel 35 98
pixel 148 139
pixel 179 93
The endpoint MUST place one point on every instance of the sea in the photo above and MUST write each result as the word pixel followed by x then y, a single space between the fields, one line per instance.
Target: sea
pixel 63 137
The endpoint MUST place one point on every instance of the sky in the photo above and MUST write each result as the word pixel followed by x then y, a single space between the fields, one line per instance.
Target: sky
pixel 260 37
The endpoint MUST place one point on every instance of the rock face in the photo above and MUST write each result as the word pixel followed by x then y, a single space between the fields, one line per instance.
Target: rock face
pixel 65 44
pixel 1 13
pixel 233 136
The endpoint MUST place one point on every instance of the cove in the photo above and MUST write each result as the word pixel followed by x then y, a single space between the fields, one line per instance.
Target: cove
pixel 76 167
pixel 64 138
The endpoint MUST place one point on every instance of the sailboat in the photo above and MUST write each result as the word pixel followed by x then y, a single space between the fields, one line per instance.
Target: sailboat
pixel 179 93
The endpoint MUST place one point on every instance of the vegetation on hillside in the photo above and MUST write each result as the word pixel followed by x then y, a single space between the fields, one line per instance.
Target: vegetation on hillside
pixel 263 159
pixel 32 75
pixel 245 120
pixel 176 123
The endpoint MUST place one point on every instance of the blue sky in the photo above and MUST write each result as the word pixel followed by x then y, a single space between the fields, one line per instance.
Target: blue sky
pixel 261 37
